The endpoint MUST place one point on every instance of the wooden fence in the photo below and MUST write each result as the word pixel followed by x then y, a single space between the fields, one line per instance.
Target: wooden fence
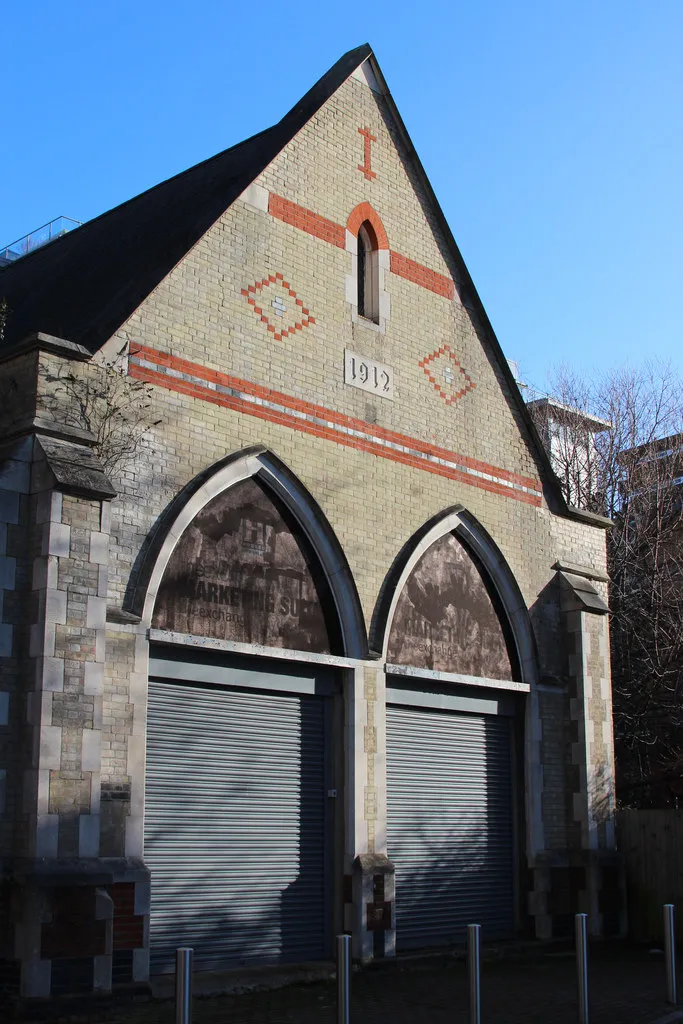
pixel 651 846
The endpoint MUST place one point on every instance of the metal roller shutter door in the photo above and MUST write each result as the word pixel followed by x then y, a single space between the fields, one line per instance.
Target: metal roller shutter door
pixel 235 826
pixel 449 824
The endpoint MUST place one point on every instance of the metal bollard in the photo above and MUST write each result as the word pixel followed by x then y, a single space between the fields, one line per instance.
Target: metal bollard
pixel 582 965
pixel 473 965
pixel 343 979
pixel 183 985
pixel 670 953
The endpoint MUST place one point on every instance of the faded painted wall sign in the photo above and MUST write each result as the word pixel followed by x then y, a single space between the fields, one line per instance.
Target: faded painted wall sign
pixel 445 618
pixel 239 572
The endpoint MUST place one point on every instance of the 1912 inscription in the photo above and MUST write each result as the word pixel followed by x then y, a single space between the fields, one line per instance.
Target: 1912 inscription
pixel 368 375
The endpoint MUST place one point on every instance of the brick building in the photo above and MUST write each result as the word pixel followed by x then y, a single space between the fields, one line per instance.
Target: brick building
pixel 329 651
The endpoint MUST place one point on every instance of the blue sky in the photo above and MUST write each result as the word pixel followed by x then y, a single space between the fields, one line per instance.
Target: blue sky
pixel 551 133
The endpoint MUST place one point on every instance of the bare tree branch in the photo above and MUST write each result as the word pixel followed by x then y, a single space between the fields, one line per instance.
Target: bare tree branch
pixel 113 406
pixel 633 473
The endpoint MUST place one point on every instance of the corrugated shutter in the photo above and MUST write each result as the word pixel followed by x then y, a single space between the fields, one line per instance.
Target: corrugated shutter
pixel 235 825
pixel 449 824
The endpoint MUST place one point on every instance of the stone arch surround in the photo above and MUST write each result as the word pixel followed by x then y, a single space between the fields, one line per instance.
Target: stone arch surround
pixel 271 471
pixel 471 533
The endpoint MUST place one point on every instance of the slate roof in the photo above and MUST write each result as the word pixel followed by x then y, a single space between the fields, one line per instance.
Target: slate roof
pixel 87 283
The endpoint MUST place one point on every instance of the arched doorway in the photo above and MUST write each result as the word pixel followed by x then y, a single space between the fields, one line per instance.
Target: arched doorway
pixel 455 708
pixel 243 761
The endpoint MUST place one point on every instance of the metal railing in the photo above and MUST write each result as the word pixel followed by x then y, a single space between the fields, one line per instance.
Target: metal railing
pixel 35 239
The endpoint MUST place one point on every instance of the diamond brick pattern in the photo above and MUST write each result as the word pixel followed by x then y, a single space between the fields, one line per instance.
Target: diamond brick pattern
pixel 302 316
pixel 443 363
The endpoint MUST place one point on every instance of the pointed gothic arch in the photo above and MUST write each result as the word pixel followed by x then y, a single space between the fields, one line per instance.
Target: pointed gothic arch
pixel 367 242
pixel 365 214
pixel 291 502
pixel 457 522
pixel 506 598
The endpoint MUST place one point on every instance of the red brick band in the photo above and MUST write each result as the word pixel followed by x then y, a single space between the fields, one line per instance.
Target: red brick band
pixel 243 396
pixel 328 231
pixel 426 278
pixel 306 220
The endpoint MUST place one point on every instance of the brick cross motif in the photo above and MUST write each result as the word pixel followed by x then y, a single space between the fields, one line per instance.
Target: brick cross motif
pixel 365 167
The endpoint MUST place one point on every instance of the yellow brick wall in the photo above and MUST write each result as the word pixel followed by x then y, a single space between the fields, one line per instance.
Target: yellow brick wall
pixel 374 505
pixel 200 314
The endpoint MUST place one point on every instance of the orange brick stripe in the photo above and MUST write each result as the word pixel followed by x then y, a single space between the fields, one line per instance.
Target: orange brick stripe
pixel 243 396
pixel 247 387
pixel 415 272
pixel 314 224
pixel 306 220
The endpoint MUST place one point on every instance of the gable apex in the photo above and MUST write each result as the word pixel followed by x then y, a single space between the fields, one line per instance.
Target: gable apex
pixel 368 73
pixel 85 285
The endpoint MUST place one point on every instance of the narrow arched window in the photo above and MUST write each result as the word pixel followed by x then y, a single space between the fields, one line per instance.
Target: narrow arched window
pixel 368 273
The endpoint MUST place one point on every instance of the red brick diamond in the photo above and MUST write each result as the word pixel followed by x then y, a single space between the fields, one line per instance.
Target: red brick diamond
pixel 446 375
pixel 277 282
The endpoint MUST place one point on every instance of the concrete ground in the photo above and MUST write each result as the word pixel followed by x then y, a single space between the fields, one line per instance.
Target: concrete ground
pixel 626 984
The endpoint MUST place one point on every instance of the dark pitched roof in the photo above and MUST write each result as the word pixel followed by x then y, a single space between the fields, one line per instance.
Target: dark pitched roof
pixel 84 285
